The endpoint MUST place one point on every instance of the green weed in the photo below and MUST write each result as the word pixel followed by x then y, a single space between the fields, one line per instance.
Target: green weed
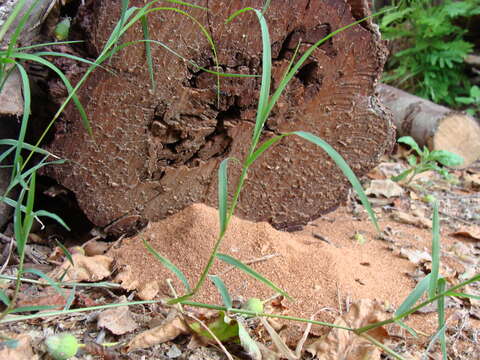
pixel 427 160
pixel 430 62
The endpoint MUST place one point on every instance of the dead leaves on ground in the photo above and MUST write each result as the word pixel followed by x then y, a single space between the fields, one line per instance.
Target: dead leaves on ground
pixel 84 268
pixel 344 344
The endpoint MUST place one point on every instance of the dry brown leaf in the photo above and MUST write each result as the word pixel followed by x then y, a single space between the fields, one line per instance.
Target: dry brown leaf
pixel 386 188
pixel 415 256
pixel 86 268
pixel 471 231
pixel 408 219
pixel 95 247
pixel 118 320
pixel 128 280
pixel 343 344
pixel 47 297
pixel 23 350
pixel 472 181
pixel 169 330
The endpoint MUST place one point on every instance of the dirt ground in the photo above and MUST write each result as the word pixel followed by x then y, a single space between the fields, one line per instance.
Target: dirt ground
pixel 338 265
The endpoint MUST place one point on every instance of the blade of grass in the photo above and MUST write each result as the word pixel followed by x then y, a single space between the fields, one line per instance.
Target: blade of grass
pixel 26 146
pixel 11 18
pixel 248 270
pixel 148 51
pixel 32 308
pixel 441 318
pixel 168 264
pixel 4 298
pixel 65 252
pixel 463 295
pixel 222 289
pixel 432 288
pixel 414 296
pixel 48 279
pixel 222 196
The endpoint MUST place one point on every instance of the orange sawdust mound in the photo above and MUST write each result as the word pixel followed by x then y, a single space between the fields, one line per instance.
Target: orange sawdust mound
pixel 318 275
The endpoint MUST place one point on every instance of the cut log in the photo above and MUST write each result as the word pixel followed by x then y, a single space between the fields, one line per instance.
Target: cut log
pixel 436 126
pixel 152 154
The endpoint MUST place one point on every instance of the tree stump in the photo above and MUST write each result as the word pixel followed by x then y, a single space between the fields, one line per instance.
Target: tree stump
pixel 154 153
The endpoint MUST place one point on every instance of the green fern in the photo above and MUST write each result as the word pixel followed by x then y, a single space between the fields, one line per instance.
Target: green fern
pixel 431 63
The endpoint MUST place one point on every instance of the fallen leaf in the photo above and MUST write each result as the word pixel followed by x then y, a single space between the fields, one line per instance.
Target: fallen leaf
pixel 471 181
pixel 86 268
pixel 127 279
pixel 118 320
pixel 22 351
pixel 386 188
pixel 415 256
pixel 408 219
pixel 344 344
pixel 169 330
pixel 47 297
pixel 95 247
pixel 472 231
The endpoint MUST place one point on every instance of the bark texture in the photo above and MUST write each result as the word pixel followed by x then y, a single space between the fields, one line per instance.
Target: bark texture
pixel 152 154
pixel 437 127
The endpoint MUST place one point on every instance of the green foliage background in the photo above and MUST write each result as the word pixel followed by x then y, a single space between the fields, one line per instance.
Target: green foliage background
pixel 432 47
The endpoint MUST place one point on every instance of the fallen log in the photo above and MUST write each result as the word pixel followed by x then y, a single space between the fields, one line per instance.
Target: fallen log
pixel 436 126
pixel 154 153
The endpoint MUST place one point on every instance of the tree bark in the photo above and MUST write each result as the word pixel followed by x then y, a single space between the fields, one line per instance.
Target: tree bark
pixel 437 127
pixel 152 154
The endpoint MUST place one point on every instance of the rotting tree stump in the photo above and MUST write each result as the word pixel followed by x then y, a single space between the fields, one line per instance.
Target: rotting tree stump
pixel 152 154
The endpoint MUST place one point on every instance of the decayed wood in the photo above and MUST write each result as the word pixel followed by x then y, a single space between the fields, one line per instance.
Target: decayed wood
pixel 435 126
pixel 152 154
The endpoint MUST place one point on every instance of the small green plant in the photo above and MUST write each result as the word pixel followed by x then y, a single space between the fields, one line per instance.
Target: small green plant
pixel 473 100
pixel 430 59
pixel 427 160
pixel 62 346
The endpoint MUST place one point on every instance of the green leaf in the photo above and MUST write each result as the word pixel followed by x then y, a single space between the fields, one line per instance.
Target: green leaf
pixel 248 344
pixel 408 140
pixel 446 158
pixel 148 50
pixel 48 279
pixel 222 289
pixel 434 273
pixel 65 252
pixel 402 175
pixel 169 265
pixel 248 270
pixel 414 296
pixel 408 328
pixel 4 298
pixel 347 171
pixel 223 195
pixel 412 160
pixel 223 328
pixel 32 308
pixel 44 213
pixel 463 295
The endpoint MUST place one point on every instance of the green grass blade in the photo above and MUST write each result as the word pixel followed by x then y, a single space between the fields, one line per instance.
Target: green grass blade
pixel 262 112
pixel 71 90
pixel 17 225
pixel 148 50
pixel 73 57
pixel 11 18
pixel 65 252
pixel 32 308
pixel 463 295
pixel 262 148
pixel 408 328
pixel 169 265
pixel 6 153
pixel 4 298
pixel 21 177
pixel 42 45
pixel 25 116
pixel 414 296
pixel 19 28
pixel 44 213
pixel 347 171
pixel 29 216
pixel 222 289
pixel 248 270
pixel 223 195
pixel 441 318
pixel 48 279
pixel 70 299
pixel 432 288
pixel 26 146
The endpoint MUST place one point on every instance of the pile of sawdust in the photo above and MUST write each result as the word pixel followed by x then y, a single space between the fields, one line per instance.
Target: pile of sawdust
pixel 318 275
